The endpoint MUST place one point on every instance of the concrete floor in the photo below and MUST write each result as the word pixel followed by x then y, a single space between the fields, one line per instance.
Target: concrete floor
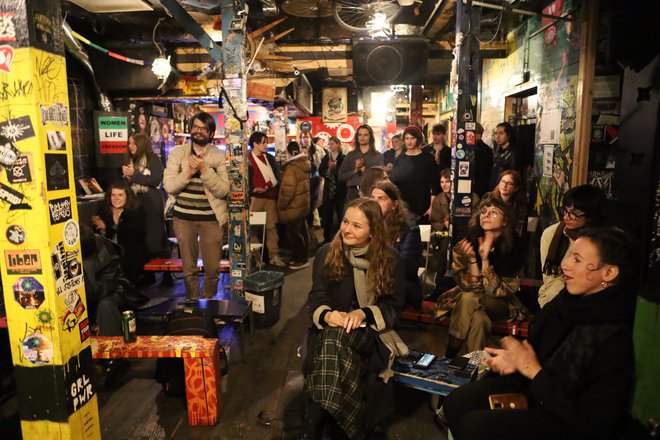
pixel 265 387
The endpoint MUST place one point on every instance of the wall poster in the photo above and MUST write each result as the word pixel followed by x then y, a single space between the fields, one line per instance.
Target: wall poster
pixel 335 104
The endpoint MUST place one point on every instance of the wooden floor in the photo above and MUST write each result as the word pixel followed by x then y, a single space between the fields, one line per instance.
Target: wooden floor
pixel 262 397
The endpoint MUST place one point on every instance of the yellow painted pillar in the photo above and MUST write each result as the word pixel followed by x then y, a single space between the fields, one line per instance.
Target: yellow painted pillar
pixel 41 265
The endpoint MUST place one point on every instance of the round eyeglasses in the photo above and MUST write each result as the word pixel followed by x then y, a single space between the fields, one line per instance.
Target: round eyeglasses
pixel 571 214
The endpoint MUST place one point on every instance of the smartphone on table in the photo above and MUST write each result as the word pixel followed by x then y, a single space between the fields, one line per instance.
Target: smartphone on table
pixel 424 361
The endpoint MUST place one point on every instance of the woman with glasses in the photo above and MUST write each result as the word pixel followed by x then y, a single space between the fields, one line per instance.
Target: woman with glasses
pixel 485 268
pixel 582 207
pixel 511 191
pixel 575 373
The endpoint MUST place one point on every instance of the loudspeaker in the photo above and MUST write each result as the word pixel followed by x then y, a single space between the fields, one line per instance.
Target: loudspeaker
pixel 383 61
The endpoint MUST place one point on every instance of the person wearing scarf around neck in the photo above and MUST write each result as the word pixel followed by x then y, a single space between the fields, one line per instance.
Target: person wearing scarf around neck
pixel 264 179
pixel 356 298
pixel 576 370
pixel 582 207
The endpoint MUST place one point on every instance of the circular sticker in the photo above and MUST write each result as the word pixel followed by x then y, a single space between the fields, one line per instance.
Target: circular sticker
pixel 15 234
pixel 459 146
pixel 305 126
pixel 345 133
pixel 38 349
pixel 460 154
pixel 466 200
pixel 71 233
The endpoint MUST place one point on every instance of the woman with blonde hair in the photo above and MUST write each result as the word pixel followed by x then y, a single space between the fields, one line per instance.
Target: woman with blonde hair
pixel 356 298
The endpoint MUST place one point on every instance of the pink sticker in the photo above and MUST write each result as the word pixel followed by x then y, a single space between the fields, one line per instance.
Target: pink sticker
pixel 6 57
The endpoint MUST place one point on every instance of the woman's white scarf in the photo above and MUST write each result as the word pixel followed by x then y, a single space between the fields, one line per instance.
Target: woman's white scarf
pixel 140 167
pixel 367 298
pixel 265 170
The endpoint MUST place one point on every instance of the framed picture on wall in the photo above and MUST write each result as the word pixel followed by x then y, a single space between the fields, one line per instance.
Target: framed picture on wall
pixel 335 104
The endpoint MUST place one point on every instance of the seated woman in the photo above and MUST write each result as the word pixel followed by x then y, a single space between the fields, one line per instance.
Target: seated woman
pixel 356 298
pixel 485 270
pixel 440 213
pixel 576 370
pixel 582 207
pixel 403 234
pixel 122 220
pixel 511 191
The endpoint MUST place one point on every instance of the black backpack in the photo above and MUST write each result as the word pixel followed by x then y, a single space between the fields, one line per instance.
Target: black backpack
pixel 185 321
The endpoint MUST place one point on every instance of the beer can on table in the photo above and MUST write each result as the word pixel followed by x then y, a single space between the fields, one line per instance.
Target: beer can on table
pixel 129 326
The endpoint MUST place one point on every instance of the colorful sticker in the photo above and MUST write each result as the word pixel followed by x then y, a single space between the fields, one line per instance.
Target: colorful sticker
pixel 470 125
pixel 71 233
pixel 60 210
pixel 15 234
pixel 7 29
pixel 466 200
pixel 17 129
pixel 19 171
pixel 470 138
pixel 13 197
pixel 460 154
pixel 38 349
pixel 28 292
pixel 56 140
pixel 83 327
pixel 463 169
pixel 67 269
pixel 56 114
pixel 8 152
pixel 23 262
pixel 6 57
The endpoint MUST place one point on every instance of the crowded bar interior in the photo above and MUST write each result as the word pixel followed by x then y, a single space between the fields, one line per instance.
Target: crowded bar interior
pixel 329 219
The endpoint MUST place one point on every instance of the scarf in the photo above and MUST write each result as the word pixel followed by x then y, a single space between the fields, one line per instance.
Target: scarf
pixel 265 170
pixel 367 298
pixel 613 305
pixel 140 167
pixel 558 247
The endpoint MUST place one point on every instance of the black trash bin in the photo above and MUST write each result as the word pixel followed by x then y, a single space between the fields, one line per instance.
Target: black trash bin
pixel 264 289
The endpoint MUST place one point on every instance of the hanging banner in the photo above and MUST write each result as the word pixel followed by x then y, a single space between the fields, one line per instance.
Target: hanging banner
pixel 111 130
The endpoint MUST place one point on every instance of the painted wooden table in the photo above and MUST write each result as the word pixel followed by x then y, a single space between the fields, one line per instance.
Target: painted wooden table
pixel 201 360
pixel 437 379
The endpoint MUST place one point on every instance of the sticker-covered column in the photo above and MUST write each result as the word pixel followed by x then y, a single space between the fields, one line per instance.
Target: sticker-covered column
pixel 41 268
pixel 466 66
pixel 234 98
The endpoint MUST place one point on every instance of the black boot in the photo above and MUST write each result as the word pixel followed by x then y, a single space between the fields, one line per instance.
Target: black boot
pixel 453 347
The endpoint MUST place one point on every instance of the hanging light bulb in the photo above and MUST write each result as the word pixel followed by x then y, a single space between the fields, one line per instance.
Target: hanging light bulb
pixel 161 67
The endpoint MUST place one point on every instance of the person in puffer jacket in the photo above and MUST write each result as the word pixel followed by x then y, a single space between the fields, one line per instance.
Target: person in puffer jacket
pixel 293 203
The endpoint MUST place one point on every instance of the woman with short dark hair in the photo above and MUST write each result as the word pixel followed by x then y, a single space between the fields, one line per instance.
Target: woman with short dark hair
pixel 582 207
pixel 416 175
pixel 576 371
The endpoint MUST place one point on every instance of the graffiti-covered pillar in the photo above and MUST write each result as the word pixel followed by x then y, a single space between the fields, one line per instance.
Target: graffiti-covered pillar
pixel 235 108
pixel 467 62
pixel 39 235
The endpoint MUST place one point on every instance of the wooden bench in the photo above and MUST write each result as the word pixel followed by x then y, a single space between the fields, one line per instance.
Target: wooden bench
pixel 201 360
pixel 514 328
pixel 175 265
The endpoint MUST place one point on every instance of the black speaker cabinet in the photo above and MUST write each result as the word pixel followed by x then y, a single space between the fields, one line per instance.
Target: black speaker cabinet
pixel 383 62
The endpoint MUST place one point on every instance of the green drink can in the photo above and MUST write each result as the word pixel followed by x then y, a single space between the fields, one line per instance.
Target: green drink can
pixel 129 326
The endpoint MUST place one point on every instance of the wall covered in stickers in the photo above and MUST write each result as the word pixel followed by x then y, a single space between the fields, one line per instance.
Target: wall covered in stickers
pixel 548 60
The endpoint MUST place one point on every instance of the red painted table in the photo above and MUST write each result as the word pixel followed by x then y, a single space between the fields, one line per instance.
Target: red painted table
pixel 201 360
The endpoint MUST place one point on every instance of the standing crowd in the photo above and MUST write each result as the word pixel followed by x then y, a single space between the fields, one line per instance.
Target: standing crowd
pixel 371 208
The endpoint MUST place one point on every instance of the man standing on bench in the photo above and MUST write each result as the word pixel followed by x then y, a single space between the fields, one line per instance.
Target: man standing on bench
pixel 197 178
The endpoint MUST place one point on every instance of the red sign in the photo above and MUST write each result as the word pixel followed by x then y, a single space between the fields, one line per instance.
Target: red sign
pixel 260 91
